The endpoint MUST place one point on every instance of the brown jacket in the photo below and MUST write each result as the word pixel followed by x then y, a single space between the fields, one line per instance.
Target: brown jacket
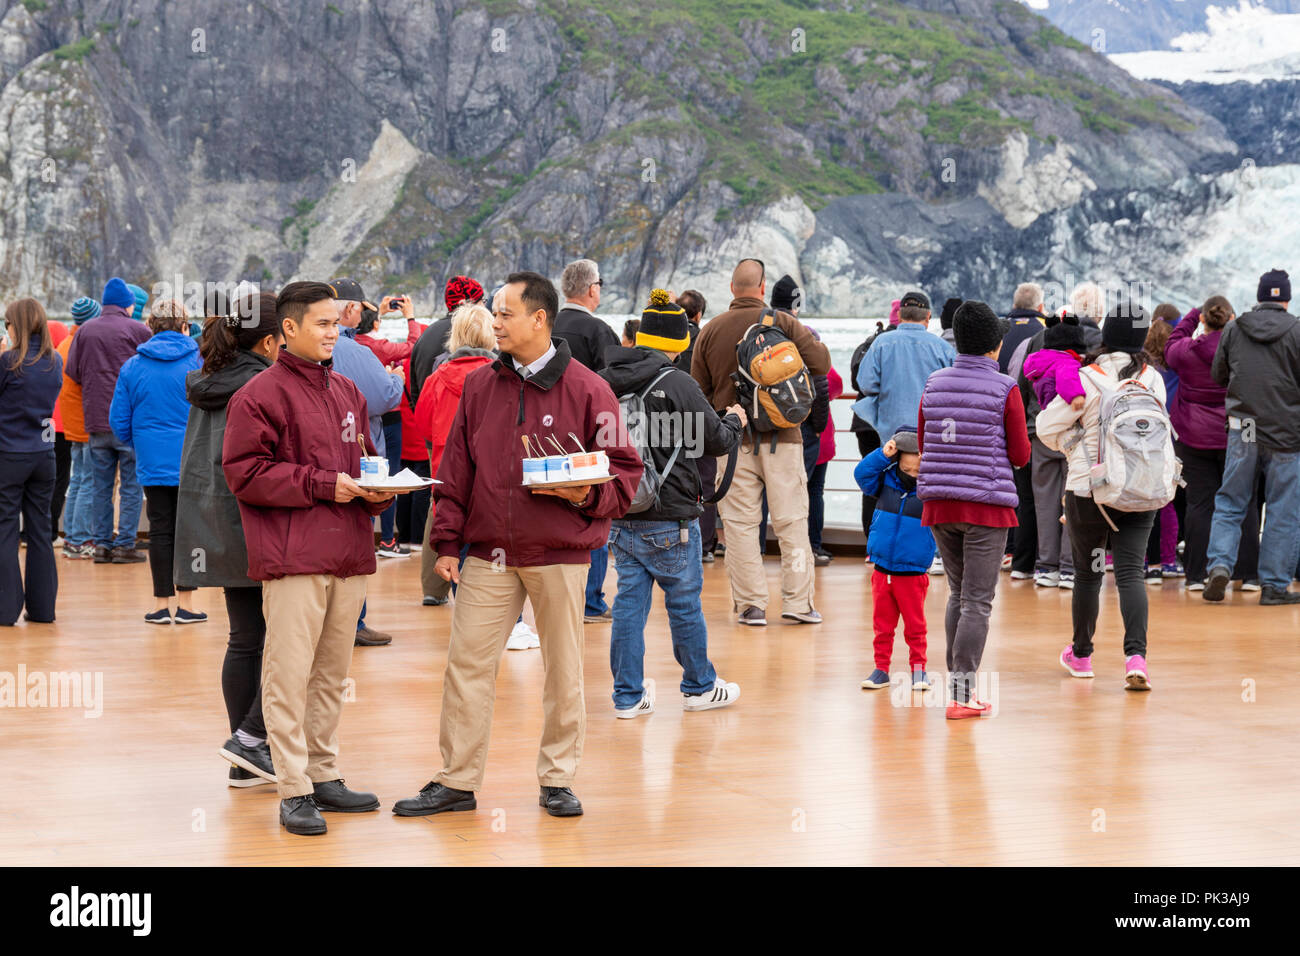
pixel 715 353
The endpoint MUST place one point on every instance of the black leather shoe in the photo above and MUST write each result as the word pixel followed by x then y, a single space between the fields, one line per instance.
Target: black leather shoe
pixel 299 815
pixel 103 556
pixel 1274 596
pixel 333 797
pixel 253 759
pixel 560 802
pixel 127 556
pixel 1216 583
pixel 435 798
pixel 369 637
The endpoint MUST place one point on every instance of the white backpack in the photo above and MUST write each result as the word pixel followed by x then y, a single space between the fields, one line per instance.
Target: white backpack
pixel 1136 469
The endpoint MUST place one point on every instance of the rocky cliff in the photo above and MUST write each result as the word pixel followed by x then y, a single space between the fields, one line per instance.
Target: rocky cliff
pixel 404 140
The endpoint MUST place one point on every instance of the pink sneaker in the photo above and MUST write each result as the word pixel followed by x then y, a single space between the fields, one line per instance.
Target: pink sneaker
pixel 1135 677
pixel 1077 666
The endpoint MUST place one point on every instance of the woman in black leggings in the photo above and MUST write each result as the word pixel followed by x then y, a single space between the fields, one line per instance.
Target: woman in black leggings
pixel 1121 358
pixel 210 549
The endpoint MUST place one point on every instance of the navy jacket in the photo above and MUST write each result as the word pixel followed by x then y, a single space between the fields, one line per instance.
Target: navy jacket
pixel 27 397
pixel 898 543
pixel 149 408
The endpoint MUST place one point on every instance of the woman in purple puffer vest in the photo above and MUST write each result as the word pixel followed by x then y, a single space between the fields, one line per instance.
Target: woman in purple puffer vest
pixel 1198 416
pixel 972 433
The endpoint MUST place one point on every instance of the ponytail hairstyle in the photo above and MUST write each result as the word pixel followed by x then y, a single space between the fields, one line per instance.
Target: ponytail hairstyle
pixel 251 320
pixel 26 321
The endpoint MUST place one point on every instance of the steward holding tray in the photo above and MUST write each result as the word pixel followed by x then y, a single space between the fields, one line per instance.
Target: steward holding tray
pixel 522 542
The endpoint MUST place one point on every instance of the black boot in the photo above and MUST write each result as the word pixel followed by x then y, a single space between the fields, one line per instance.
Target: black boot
pixel 334 797
pixel 435 798
pixel 560 802
pixel 299 815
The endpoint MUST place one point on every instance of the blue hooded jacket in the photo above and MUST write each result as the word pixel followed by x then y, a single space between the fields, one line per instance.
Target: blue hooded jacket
pixel 898 542
pixel 149 410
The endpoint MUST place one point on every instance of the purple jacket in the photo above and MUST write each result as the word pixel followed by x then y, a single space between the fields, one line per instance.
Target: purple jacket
pixel 99 350
pixel 1197 408
pixel 965 443
pixel 1053 373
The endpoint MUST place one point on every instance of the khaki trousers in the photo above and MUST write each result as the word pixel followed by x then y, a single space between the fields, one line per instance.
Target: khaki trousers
pixel 782 474
pixel 311 623
pixel 431 583
pixel 487 604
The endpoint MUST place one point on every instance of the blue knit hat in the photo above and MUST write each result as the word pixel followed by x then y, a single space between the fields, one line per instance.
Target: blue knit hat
pixel 84 309
pixel 141 297
pixel 116 293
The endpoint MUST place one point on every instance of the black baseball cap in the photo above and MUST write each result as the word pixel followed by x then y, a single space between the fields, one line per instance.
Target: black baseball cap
pixel 914 300
pixel 349 290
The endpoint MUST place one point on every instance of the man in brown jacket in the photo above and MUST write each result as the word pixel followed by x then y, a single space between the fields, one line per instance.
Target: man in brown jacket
pixel 780 472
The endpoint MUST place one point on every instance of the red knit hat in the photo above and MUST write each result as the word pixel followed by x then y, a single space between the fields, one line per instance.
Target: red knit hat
pixel 461 289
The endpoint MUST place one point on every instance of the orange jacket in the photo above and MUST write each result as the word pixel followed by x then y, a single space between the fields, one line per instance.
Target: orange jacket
pixel 68 408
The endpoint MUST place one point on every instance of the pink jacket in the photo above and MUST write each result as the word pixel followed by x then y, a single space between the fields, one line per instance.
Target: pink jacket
pixel 828 434
pixel 1053 373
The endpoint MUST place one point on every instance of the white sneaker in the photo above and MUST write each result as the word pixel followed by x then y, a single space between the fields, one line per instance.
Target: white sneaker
pixel 1047 579
pixel 721 695
pixel 936 566
pixel 1020 575
pixel 646 705
pixel 523 638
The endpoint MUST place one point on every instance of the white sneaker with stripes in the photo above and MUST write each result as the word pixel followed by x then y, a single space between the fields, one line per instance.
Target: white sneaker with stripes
pixel 721 695
pixel 645 706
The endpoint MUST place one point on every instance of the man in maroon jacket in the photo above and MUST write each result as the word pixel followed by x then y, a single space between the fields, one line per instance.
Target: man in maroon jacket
pixel 521 543
pixel 290 449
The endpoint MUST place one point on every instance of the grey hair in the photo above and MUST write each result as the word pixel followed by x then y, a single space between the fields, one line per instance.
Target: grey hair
pixel 578 277
pixel 1028 295
pixel 1087 301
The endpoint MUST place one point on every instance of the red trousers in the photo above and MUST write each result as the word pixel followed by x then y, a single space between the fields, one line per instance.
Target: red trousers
pixel 893 595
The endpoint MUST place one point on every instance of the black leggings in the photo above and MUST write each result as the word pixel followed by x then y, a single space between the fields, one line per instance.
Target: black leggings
pixel 160 506
pixel 241 672
pixel 62 474
pixel 1089 534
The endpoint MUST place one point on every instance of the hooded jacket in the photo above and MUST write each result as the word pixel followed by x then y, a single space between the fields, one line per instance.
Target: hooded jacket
pixel 1196 409
pixel 1027 347
pixel 207 514
pixel 289 433
pixel 684 416
pixel 436 409
pixel 98 353
pixel 898 543
pixel 1057 420
pixel 1258 359
pixel 149 408
pixel 482 501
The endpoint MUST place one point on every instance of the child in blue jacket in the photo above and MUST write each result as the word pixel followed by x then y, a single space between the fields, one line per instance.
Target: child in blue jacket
pixel 901 550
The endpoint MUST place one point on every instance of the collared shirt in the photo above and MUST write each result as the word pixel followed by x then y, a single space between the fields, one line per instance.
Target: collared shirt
pixel 578 306
pixel 532 368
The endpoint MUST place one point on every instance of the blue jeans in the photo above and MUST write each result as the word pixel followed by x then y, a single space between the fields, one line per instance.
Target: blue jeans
pixel 646 553
pixel 393 447
pixel 596 582
pixel 79 506
pixel 111 458
pixel 1279 548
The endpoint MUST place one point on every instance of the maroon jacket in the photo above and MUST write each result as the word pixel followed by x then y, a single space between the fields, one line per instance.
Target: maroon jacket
pixel 482 501
pixel 97 355
pixel 289 432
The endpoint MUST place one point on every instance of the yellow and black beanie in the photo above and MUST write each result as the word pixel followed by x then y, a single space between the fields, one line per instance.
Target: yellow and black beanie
pixel 663 325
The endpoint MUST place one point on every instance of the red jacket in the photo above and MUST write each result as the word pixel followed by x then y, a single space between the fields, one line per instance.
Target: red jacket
pixel 289 432
pixel 439 399
pixel 482 501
